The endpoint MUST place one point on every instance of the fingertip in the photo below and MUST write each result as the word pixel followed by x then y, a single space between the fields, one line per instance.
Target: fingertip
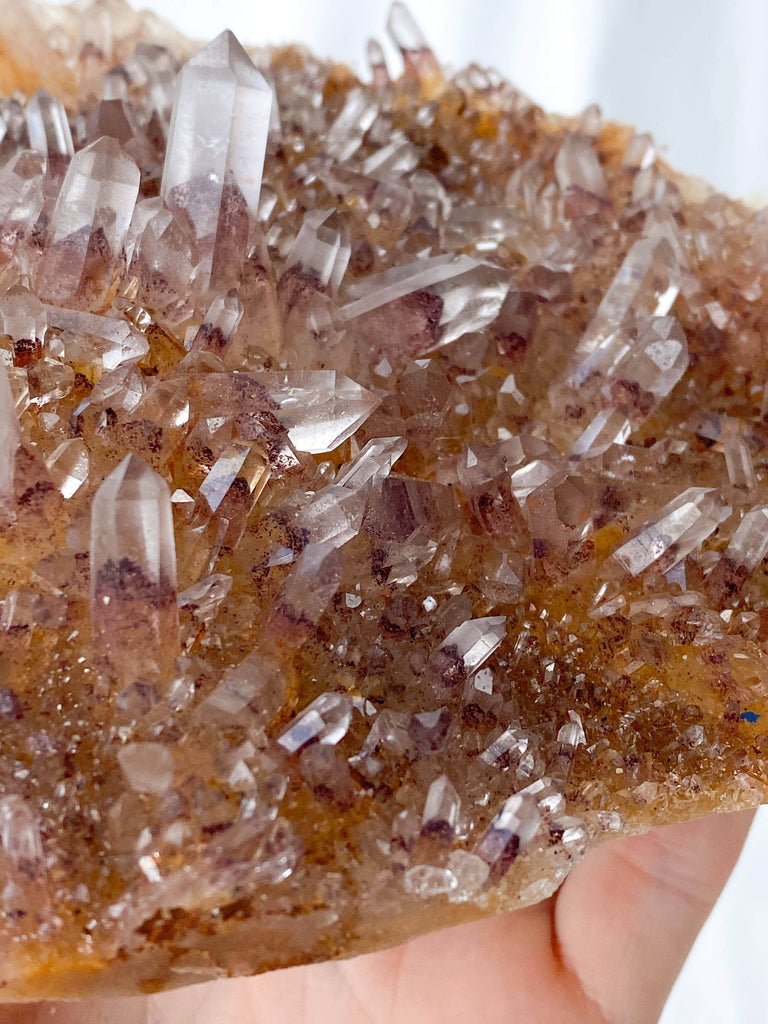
pixel 627 916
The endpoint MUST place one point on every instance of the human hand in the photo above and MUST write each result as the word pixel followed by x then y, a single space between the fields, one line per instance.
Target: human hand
pixel 606 949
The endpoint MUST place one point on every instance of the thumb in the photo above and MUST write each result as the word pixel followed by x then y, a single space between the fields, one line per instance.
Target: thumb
pixel 627 916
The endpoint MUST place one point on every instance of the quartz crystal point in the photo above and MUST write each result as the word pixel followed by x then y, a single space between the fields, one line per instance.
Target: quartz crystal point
pixel 133 572
pixel 49 132
pixel 21 202
pixel 376 540
pixel 435 300
pixel 674 531
pixel 321 250
pixel 646 284
pixel 217 139
pixel 10 437
pixel 89 227
pixel 420 62
pixel 319 408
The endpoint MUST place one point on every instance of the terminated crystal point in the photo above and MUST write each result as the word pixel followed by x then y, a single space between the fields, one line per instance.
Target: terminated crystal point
pixel 133 571
pixel 22 196
pixel 674 531
pixel 147 767
pixel 221 321
pixel 326 720
pixel 217 139
pixel 89 227
pixel 441 809
pixel 319 408
pixel 433 302
pixel 68 466
pixel 10 438
pixel 23 318
pixel 377 62
pixel 577 167
pixel 48 130
pixel 372 464
pixel 510 832
pixel 466 649
pixel 749 544
pixel 420 62
pixel 345 136
pixel 20 835
pixel 100 342
pixel 646 284
pixel 321 250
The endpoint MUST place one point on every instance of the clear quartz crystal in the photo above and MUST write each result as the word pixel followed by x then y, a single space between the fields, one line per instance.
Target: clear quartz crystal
pixel 509 833
pixel 467 294
pixel 103 342
pixel 10 438
pixel 420 62
pixel 749 544
pixel 647 284
pixel 48 129
pixel 147 767
pixel 22 316
pixel 326 720
pixel 345 136
pixel 319 408
pixel 577 167
pixel 89 227
pixel 221 321
pixel 20 835
pixel 473 642
pixel 218 138
pixel 68 466
pixel 674 531
pixel 441 809
pixel 321 249
pixel 21 201
pixel 133 571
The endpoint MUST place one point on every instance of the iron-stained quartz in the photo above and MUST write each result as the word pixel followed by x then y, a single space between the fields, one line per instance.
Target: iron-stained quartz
pixel 383 500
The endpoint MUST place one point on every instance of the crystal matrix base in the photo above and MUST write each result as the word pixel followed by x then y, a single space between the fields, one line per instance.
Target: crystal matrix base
pixel 382 502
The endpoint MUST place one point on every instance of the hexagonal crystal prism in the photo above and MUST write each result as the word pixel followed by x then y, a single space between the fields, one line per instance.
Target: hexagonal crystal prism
pixel 217 139
pixel 89 227
pixel 133 572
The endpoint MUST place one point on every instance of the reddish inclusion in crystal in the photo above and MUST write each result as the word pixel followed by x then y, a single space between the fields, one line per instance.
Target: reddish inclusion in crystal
pixel 377 532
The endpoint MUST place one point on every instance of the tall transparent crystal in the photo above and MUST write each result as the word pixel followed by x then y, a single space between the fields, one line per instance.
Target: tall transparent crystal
pixel 48 130
pixel 89 227
pixel 218 138
pixel 133 572
pixel 9 439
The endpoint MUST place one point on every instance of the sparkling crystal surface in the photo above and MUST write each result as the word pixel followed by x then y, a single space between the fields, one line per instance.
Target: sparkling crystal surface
pixel 384 484
pixel 217 138
pixel 10 437
pixel 133 571
pixel 89 227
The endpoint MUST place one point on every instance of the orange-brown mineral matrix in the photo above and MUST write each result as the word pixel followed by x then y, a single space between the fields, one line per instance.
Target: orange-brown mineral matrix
pixel 383 500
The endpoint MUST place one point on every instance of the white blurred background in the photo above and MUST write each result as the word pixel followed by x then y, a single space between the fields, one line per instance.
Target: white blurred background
pixel 694 73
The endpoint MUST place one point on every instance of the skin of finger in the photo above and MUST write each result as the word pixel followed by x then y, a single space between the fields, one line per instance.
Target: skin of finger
pixel 620 927
pixel 627 916
pixel 502 968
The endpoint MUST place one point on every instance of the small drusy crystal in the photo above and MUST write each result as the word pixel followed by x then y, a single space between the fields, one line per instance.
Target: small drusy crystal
pixel 383 500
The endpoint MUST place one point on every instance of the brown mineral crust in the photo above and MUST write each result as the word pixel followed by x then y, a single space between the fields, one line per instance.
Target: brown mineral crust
pixel 333 688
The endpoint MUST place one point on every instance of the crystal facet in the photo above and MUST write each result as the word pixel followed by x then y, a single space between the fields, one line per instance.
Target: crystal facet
pixel 376 538
pixel 217 139
pixel 133 571
pixel 89 227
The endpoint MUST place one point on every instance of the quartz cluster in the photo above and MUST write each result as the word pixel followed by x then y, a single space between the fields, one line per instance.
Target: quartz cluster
pixel 383 499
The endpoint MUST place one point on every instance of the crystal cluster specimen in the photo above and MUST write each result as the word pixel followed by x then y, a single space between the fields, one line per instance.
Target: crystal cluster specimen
pixel 383 500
